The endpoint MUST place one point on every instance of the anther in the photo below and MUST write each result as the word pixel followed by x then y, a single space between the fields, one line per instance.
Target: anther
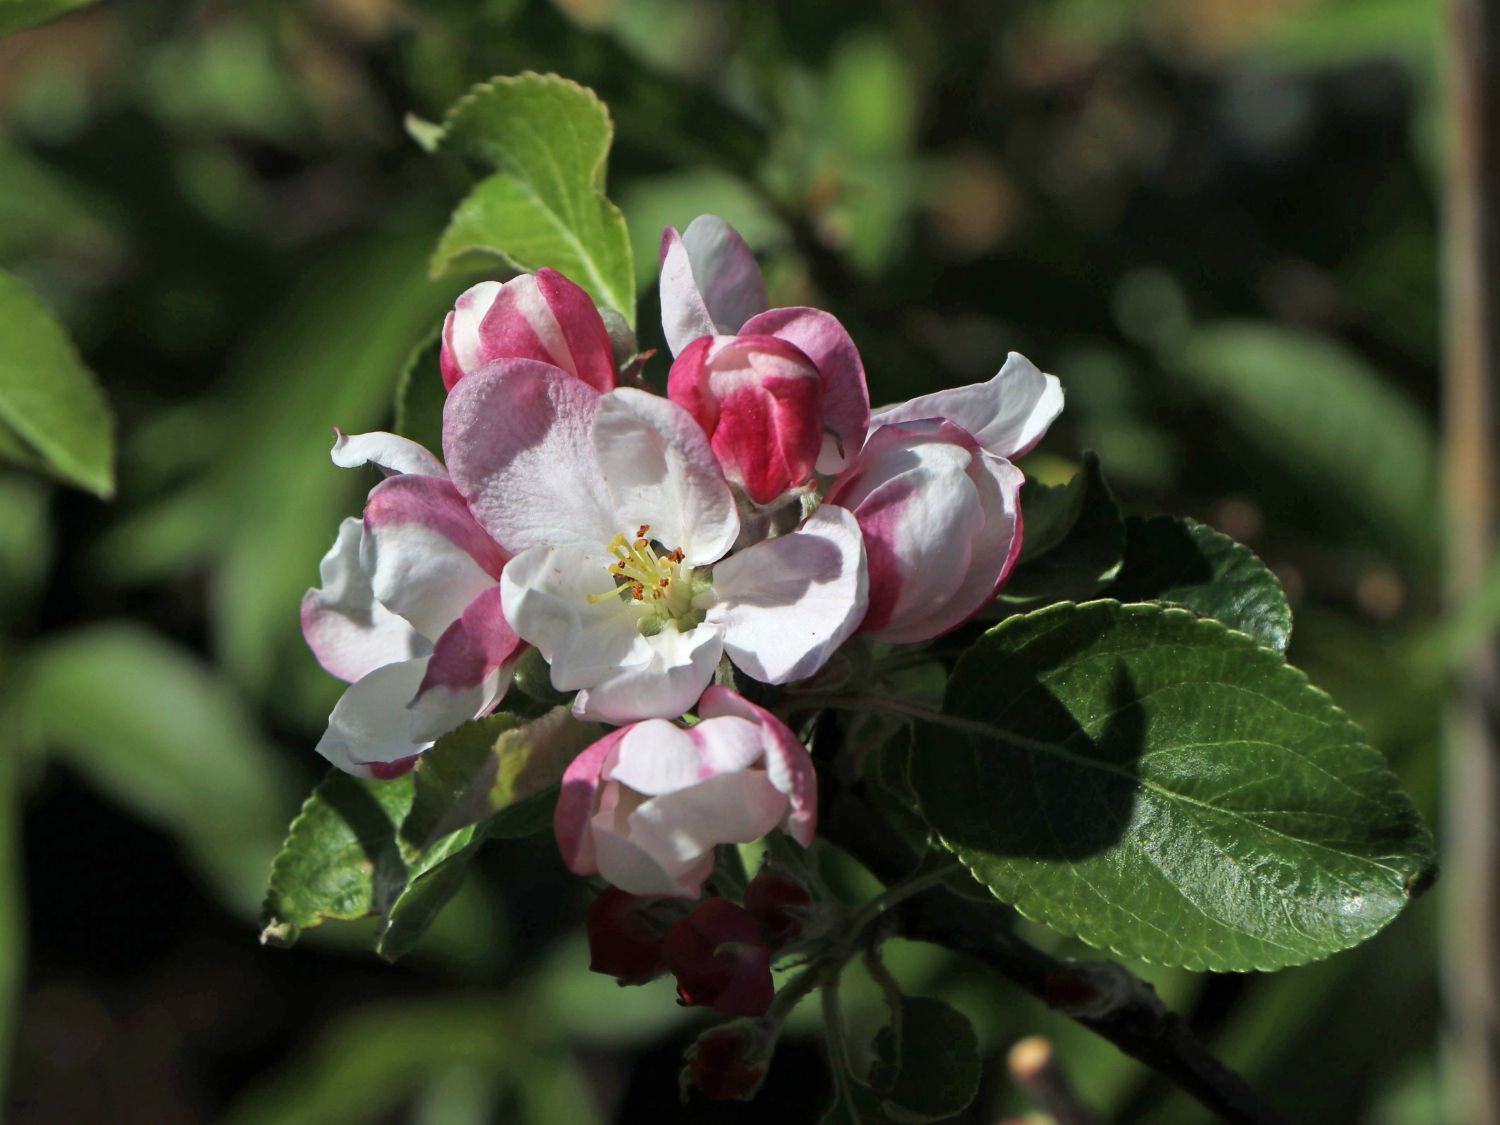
pixel 640 532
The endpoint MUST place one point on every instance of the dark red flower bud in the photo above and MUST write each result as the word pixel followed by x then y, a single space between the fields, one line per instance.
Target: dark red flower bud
pixel 728 1061
pixel 626 940
pixel 780 904
pixel 720 960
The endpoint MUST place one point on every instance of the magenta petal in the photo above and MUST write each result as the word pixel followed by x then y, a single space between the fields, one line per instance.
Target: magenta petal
pixel 472 648
pixel 576 801
pixel 846 397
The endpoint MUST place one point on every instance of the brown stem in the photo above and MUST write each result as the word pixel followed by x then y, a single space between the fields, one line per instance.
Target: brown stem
pixel 1104 998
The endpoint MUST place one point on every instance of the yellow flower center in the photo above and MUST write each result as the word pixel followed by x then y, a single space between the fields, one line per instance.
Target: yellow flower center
pixel 657 583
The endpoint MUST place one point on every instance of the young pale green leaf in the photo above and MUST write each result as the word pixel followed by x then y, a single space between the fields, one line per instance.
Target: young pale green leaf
pixel 548 140
pixel 421 396
pixel 1074 539
pixel 1169 559
pixel 926 1062
pixel 49 402
pixel 18 15
pixel 341 860
pixel 1162 786
pixel 430 889
pixel 500 766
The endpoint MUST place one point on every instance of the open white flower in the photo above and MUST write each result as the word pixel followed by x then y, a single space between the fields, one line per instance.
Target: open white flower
pixel 620 520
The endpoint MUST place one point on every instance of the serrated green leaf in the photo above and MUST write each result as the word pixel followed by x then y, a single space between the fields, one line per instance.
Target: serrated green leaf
pixel 548 140
pixel 48 399
pixel 1320 410
pixel 1170 559
pixel 17 15
pixel 926 1062
pixel 500 766
pixel 166 736
pixel 430 889
pixel 1073 539
pixel 1160 785
pixel 421 396
pixel 341 860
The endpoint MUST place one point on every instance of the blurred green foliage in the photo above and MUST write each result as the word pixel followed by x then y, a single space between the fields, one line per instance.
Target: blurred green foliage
pixel 1215 221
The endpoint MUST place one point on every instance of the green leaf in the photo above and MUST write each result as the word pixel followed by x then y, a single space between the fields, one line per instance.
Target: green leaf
pixel 1073 542
pixel 500 766
pixel 1169 559
pixel 17 15
pixel 341 860
pixel 926 1062
pixel 432 888
pixel 1164 787
pixel 48 399
pixel 164 735
pixel 421 396
pixel 548 140
pixel 1356 441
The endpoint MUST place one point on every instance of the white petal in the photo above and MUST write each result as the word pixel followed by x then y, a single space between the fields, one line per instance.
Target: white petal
pixel 660 470
pixel 369 724
pixel 709 282
pixel 391 452
pixel 787 603
pixel 662 677
pixel 545 592
pixel 348 630
pixel 627 865
pixel 1008 414
pixel 656 757
pixel 732 808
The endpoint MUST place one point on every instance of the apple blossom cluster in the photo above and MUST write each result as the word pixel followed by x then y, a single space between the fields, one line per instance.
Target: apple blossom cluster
pixel 651 548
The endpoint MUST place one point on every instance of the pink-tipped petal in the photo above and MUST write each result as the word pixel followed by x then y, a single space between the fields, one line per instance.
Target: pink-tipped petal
pixel 760 401
pixel 576 801
pixel 541 316
pixel 518 440
pixel 786 604
pixel 660 678
pixel 392 453
pixel 1007 415
pixel 658 758
pixel 348 630
pixel 426 557
pixel 846 397
pixel 709 281
pixel 368 728
pixel 788 763
pixel 469 670
pixel 660 471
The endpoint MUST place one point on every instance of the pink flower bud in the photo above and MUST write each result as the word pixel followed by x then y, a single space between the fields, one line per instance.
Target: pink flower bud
pixel 541 316
pixel 646 804
pixel 780 904
pixel 729 1061
pixel 760 401
pixel 626 937
pixel 720 960
pixel 941 522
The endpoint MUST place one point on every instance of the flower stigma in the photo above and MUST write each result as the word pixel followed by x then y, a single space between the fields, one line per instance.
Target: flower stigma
pixel 654 581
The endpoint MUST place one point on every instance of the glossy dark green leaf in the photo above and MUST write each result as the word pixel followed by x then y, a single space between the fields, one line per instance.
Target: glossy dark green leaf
pixel 926 1062
pixel 1073 539
pixel 52 410
pixel 500 766
pixel 1170 559
pixel 548 140
pixel 431 888
pixel 341 860
pixel 1162 786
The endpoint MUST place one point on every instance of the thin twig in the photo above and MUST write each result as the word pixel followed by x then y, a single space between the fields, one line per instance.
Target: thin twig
pixel 1105 998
